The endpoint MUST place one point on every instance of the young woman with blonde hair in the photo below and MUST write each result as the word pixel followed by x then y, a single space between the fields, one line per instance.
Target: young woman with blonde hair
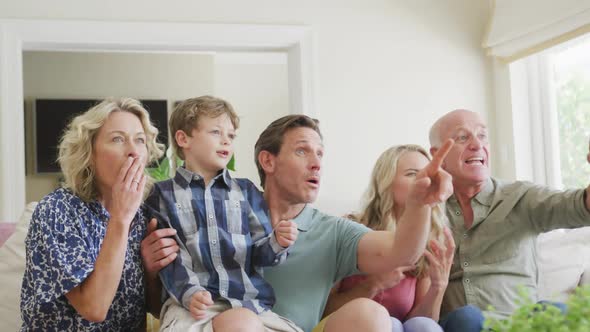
pixel 411 294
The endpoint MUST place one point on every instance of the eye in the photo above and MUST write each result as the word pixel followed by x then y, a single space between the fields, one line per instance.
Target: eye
pixel 483 137
pixel 462 138
pixel 411 174
pixel 320 154
pixel 300 152
pixel 215 132
pixel 118 139
pixel 232 136
pixel 140 140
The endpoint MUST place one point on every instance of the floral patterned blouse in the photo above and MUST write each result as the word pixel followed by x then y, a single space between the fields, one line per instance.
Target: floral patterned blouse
pixel 64 238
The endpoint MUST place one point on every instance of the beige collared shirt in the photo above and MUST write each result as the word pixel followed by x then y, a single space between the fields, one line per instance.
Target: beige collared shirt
pixel 498 254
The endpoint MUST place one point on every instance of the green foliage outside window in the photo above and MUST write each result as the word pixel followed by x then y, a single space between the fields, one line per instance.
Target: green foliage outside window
pixel 573 105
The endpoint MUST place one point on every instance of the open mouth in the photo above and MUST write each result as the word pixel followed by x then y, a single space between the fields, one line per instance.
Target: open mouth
pixel 223 154
pixel 474 161
pixel 314 181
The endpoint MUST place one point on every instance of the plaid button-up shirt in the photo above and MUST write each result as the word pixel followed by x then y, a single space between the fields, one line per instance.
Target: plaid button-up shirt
pixel 225 238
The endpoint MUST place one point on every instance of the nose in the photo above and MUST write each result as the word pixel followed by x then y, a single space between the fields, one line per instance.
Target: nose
pixel 225 140
pixel 315 162
pixel 133 150
pixel 475 143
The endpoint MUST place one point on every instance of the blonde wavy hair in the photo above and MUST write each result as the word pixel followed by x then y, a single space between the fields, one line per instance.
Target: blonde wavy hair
pixel 378 206
pixel 77 142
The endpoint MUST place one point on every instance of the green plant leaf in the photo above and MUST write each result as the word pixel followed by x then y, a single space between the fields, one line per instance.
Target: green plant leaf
pixel 231 165
pixel 532 316
pixel 161 171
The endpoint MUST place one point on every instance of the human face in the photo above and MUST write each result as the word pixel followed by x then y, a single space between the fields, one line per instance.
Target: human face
pixel 468 160
pixel 408 165
pixel 122 136
pixel 296 170
pixel 209 147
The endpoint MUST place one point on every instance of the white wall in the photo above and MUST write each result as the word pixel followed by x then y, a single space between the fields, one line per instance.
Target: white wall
pixel 385 68
pixel 256 86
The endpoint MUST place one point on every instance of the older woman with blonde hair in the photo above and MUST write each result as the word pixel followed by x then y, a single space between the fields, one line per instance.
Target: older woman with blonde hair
pixel 83 264
pixel 411 294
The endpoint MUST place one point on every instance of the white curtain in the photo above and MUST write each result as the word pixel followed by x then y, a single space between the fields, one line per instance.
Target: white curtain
pixel 518 28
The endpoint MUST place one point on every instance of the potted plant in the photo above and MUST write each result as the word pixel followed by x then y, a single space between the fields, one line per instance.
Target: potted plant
pixel 537 317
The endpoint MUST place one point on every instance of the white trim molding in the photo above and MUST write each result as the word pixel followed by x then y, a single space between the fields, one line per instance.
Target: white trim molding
pixel 17 36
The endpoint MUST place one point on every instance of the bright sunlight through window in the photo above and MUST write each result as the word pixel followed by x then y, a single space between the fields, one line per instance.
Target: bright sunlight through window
pixel 571 68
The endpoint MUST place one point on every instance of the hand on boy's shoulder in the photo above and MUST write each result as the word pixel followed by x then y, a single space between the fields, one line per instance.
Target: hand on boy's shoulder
pixel 286 233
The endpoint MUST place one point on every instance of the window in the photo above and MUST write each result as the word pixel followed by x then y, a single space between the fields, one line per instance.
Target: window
pixel 571 79
pixel 550 96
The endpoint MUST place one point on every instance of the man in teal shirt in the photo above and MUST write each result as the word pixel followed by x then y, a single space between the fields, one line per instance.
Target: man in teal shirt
pixel 495 223
pixel 289 159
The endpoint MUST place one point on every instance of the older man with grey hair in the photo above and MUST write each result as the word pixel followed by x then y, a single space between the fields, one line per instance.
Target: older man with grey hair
pixel 495 223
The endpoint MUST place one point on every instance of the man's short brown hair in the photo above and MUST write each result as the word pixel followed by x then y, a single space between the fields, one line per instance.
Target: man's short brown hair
pixel 186 116
pixel 271 139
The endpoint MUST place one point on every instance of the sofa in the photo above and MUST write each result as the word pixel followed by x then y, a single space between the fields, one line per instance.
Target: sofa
pixel 563 258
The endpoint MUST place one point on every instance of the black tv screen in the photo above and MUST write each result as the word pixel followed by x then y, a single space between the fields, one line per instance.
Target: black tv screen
pixel 53 115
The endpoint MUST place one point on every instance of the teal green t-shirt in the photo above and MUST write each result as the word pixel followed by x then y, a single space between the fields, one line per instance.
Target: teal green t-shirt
pixel 324 253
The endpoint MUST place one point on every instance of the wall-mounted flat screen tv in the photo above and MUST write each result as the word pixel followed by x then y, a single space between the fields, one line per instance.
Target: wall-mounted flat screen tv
pixel 51 116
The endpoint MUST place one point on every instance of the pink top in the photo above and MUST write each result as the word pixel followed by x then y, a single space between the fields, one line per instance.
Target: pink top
pixel 398 300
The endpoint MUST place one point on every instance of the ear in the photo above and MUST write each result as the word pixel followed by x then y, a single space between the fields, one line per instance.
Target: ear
pixel 267 161
pixel 181 138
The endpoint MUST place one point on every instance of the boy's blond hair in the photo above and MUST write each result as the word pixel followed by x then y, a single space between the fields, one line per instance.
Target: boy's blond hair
pixel 187 113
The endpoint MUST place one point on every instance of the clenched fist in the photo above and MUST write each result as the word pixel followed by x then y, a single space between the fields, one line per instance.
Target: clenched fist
pixel 200 301
pixel 286 233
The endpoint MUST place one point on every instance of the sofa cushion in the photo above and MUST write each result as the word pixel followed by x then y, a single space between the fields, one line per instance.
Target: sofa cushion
pixel 6 230
pixel 563 258
pixel 12 267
